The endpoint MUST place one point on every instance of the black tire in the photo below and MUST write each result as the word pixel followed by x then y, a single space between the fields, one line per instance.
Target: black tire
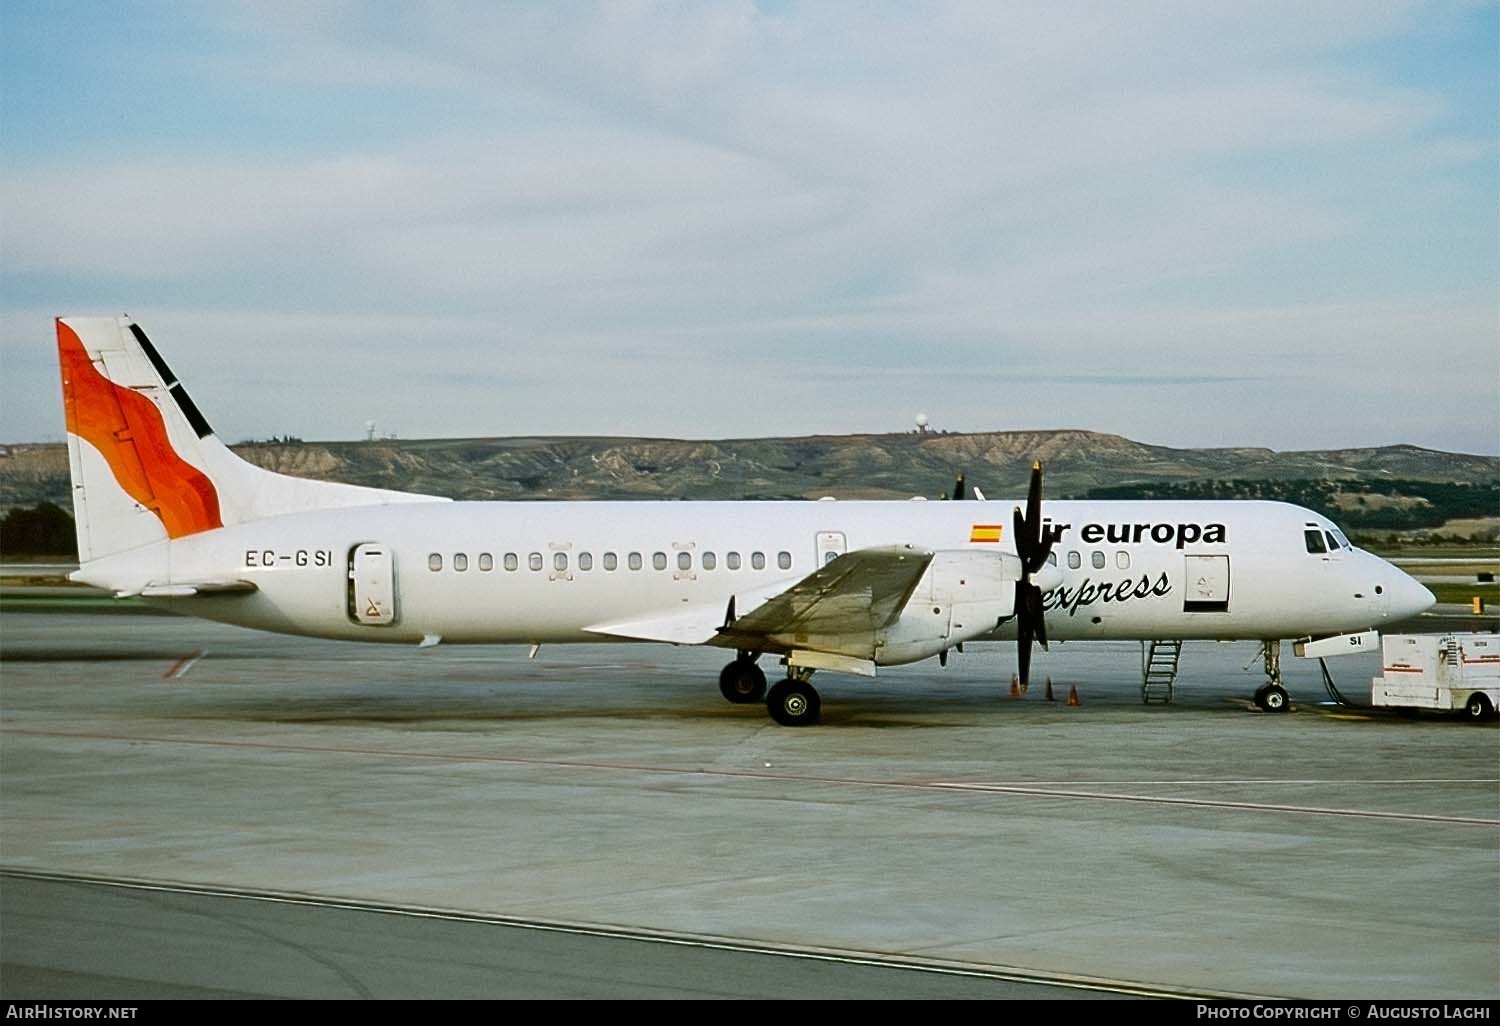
pixel 1273 698
pixel 1477 709
pixel 742 682
pixel 794 703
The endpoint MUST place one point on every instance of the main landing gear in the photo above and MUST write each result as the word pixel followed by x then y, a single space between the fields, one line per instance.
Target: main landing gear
pixel 742 681
pixel 792 702
pixel 1271 696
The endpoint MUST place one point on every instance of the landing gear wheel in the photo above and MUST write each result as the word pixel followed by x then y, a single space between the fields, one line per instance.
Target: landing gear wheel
pixel 1477 709
pixel 794 703
pixel 742 682
pixel 1273 698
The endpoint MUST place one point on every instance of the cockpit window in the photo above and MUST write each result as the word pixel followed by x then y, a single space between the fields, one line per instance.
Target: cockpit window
pixel 1314 540
pixel 1333 543
pixel 1343 539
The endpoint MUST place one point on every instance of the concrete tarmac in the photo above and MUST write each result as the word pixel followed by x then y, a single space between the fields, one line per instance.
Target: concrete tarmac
pixel 1202 847
pixel 82 940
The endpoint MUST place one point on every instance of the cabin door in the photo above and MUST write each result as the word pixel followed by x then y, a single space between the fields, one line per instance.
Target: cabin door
pixel 372 585
pixel 1207 584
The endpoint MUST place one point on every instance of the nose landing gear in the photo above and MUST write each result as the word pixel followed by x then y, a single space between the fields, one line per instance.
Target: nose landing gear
pixel 1271 696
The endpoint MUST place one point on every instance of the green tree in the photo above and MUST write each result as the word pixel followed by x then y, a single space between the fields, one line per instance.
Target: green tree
pixel 43 530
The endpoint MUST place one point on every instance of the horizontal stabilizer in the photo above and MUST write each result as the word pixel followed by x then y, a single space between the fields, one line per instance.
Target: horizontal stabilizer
pixel 190 589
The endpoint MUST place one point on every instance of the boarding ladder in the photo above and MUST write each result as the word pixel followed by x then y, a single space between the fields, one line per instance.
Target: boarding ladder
pixel 1449 652
pixel 1159 669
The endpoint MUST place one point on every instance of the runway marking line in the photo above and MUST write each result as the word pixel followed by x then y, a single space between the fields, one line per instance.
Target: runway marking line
pixel 183 665
pixel 1023 790
pixel 843 956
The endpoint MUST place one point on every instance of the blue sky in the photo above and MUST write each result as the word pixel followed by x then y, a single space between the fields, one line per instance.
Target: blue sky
pixel 1271 224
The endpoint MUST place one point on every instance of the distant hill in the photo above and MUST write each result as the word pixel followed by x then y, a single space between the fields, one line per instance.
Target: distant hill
pixel 846 466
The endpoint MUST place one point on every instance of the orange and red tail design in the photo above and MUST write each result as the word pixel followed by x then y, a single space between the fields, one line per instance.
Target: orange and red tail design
pixel 130 434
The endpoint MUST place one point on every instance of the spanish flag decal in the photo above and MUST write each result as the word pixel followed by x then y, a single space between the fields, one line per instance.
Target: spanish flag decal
pixel 984 533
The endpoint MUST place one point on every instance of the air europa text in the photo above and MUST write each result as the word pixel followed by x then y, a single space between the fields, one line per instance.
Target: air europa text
pixel 1162 534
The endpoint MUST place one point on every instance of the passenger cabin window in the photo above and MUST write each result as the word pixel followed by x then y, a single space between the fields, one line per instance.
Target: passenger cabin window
pixel 757 560
pixel 1122 560
pixel 1314 540
pixel 710 561
pixel 512 561
pixel 486 562
pixel 635 561
pixel 585 561
pixel 784 560
pixel 732 560
pixel 534 561
pixel 610 561
pixel 435 561
pixel 659 560
pixel 460 562
pixel 559 560
pixel 1074 561
pixel 684 560
pixel 1098 560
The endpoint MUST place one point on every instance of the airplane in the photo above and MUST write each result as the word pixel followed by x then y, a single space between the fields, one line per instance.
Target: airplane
pixel 167 512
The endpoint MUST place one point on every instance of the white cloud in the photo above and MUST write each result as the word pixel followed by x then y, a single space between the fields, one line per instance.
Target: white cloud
pixel 713 185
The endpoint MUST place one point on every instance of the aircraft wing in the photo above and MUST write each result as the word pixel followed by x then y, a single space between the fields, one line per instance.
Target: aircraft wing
pixel 856 593
pixel 696 625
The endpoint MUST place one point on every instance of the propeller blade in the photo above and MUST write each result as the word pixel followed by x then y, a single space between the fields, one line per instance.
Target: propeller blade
pixel 1033 546
pixel 1034 507
pixel 1023 652
pixel 1038 556
pixel 1037 616
pixel 1034 492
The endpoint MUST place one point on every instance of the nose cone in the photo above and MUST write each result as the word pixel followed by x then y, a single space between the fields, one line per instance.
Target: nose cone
pixel 1409 597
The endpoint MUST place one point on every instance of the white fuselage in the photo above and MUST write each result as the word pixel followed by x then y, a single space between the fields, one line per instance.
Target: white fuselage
pixel 534 572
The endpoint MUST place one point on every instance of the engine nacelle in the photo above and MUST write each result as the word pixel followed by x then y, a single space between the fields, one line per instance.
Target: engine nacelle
pixel 963 594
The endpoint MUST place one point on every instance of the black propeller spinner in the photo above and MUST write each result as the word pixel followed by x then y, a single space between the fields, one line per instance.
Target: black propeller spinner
pixel 1033 548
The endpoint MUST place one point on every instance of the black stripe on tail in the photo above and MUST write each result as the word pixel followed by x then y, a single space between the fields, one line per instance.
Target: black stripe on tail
pixel 184 402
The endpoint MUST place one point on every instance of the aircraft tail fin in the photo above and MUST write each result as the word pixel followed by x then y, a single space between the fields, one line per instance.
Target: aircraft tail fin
pixel 145 464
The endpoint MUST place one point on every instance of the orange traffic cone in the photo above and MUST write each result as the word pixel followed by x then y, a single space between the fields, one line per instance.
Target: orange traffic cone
pixel 1015 687
pixel 1050 698
pixel 1073 696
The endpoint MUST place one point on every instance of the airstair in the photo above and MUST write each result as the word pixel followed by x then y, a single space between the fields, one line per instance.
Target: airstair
pixel 1159 669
